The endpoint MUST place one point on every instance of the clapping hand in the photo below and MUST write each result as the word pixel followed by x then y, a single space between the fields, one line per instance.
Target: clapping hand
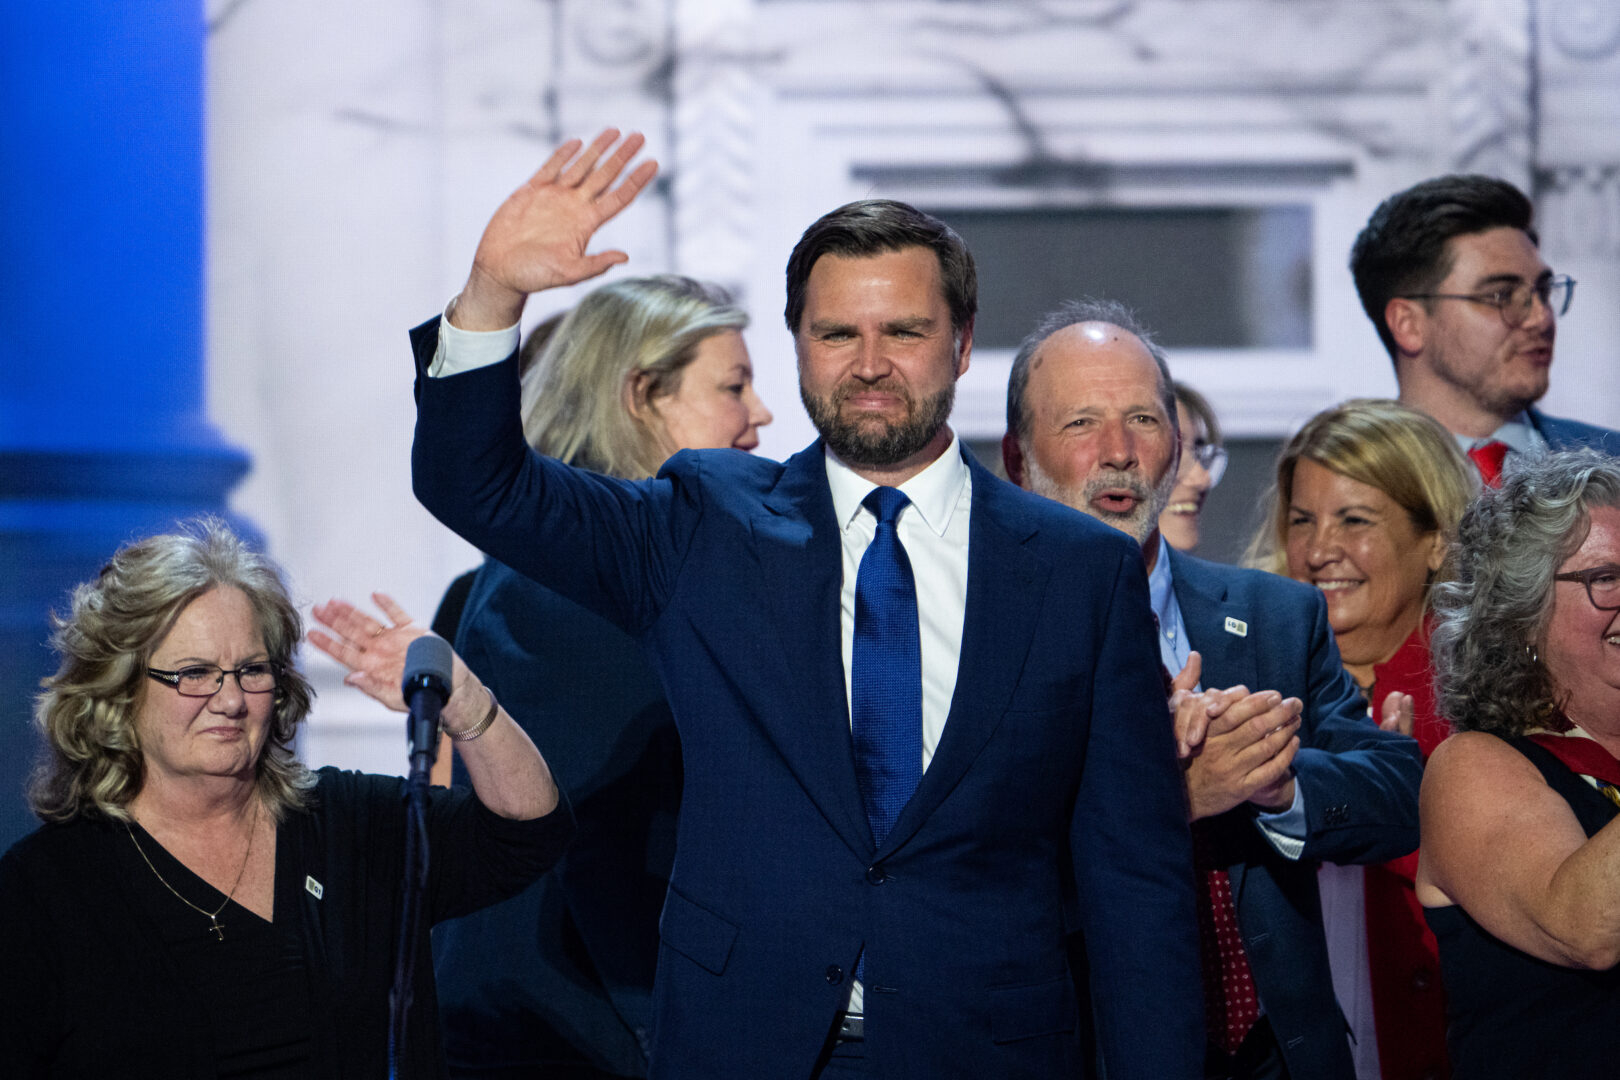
pixel 1397 713
pixel 1247 752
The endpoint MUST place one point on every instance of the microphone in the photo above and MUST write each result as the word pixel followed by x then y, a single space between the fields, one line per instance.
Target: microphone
pixel 426 687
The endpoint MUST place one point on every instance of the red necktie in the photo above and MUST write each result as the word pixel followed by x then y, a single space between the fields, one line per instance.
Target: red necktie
pixel 1231 1005
pixel 1489 459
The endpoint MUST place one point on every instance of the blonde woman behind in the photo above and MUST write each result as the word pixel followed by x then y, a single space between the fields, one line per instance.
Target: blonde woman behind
pixel 558 981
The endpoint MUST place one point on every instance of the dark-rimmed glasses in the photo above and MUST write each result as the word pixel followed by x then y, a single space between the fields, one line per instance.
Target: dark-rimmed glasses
pixel 1602 585
pixel 1513 302
pixel 204 680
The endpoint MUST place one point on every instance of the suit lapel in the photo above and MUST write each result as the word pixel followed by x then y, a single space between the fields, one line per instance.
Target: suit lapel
pixel 1004 583
pixel 796 537
pixel 1217 626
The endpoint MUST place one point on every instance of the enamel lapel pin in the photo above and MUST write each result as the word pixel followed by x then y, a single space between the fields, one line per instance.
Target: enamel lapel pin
pixel 1237 626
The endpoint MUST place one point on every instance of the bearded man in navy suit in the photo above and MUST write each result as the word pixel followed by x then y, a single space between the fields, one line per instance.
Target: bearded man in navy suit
pixel 1450 274
pixel 844 902
pixel 1283 766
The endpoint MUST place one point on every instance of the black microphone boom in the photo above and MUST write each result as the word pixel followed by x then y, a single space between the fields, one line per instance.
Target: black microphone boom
pixel 426 688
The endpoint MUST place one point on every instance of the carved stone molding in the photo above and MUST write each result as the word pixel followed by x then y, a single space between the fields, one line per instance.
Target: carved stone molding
pixel 1585 29
pixel 620 33
pixel 1579 211
pixel 715 87
pixel 1489 87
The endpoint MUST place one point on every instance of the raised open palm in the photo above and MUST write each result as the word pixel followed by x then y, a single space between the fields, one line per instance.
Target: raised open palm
pixel 538 238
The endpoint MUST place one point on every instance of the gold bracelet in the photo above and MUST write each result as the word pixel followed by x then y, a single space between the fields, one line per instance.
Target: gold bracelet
pixel 468 734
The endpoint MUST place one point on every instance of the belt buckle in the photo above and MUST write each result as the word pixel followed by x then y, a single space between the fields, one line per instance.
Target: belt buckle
pixel 852 1028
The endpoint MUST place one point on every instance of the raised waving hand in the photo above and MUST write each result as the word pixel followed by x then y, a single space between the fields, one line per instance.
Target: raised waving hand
pixel 538 238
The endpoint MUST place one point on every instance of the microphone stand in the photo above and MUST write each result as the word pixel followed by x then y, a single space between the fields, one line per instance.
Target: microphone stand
pixel 426 688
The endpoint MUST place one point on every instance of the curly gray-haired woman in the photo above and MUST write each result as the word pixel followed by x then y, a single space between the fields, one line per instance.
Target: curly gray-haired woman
pixel 198 903
pixel 1520 870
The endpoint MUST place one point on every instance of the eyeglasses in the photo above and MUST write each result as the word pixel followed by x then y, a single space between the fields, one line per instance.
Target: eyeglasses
pixel 1213 458
pixel 1602 585
pixel 204 680
pixel 1513 302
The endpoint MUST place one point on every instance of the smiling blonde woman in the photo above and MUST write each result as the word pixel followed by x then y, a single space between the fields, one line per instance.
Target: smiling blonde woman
pixel 1368 495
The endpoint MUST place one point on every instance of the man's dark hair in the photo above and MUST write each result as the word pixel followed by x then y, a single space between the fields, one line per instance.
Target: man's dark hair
pixel 1072 312
pixel 876 226
pixel 1402 249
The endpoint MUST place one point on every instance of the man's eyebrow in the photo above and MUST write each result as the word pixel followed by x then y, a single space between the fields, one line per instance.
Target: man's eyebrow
pixel 827 326
pixel 1078 411
pixel 909 322
pixel 1511 279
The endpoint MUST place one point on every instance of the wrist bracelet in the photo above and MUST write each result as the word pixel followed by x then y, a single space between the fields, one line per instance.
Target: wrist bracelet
pixel 468 734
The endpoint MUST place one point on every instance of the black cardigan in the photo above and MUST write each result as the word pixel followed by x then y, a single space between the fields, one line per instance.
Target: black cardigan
pixel 88 990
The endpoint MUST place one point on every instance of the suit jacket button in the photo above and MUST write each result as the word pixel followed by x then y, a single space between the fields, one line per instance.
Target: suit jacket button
pixel 875 875
pixel 835 974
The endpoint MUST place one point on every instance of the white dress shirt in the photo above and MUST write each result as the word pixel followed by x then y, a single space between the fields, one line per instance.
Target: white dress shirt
pixel 468 350
pixel 934 531
pixel 1519 434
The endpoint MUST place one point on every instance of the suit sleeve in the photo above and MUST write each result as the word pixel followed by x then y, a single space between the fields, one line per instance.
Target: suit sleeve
pixel 1360 782
pixel 610 545
pixel 1133 856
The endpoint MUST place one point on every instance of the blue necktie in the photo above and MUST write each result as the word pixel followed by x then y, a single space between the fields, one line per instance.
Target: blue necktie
pixel 885 671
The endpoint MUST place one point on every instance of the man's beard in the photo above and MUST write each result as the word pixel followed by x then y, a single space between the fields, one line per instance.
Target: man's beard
pixel 1499 399
pixel 870 441
pixel 1139 522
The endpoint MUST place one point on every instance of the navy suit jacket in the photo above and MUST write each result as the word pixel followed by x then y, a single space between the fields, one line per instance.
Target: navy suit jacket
pixel 1572 434
pixel 1359 783
pixel 1053 792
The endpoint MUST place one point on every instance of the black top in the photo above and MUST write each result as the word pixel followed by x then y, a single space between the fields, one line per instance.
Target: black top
pixel 93 984
pixel 249 977
pixel 1511 1015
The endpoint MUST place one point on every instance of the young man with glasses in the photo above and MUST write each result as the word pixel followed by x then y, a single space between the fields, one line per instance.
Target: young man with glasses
pixel 1450 274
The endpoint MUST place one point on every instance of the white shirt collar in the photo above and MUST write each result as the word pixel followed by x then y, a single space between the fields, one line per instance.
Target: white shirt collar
pixel 1160 583
pixel 934 492
pixel 1519 434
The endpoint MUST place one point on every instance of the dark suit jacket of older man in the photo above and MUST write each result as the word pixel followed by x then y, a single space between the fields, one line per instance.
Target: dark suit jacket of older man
pixel 1053 793
pixel 1359 784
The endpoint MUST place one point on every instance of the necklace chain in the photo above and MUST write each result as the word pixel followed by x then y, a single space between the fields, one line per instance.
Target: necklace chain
pixel 213 916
